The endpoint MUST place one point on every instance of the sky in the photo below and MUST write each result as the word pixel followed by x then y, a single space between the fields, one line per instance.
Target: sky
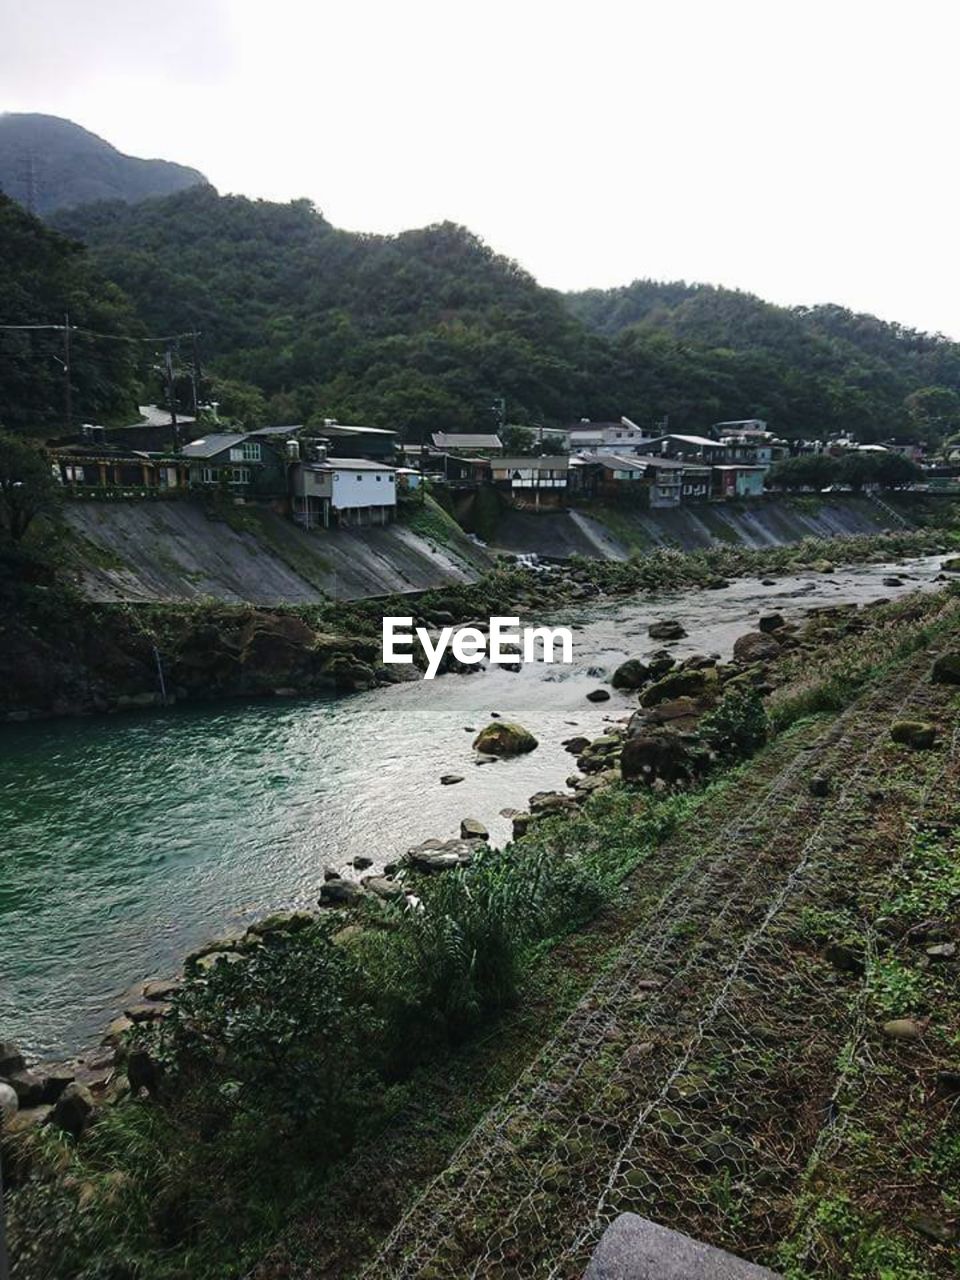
pixel 804 151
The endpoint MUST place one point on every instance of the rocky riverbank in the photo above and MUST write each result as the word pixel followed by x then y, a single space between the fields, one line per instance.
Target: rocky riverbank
pixel 693 716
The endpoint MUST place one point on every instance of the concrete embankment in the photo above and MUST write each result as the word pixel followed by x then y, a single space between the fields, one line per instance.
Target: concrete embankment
pixel 614 533
pixel 175 551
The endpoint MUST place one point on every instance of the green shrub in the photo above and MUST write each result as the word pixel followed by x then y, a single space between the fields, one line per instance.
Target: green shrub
pixel 738 726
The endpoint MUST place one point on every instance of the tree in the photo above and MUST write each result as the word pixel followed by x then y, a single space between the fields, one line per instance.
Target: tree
pixel 934 411
pixel 27 486
pixel 807 471
pixel 893 470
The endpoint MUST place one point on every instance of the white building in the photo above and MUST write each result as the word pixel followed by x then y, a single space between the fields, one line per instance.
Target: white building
pixel 349 492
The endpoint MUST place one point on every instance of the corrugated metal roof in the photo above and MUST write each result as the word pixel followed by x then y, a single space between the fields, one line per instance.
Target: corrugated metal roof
pixel 207 446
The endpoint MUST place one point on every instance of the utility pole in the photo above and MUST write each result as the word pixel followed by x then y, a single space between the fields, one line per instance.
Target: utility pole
pixel 195 375
pixel 67 388
pixel 171 398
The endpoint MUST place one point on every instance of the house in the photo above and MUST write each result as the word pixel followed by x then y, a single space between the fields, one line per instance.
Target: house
pixel 244 463
pixel 543 481
pixel 741 426
pixel 691 448
pixel 738 480
pixel 915 450
pixel 349 492
pixel 467 443
pixel 759 448
pixel 90 467
pixel 343 441
pixel 634 479
pixel 607 437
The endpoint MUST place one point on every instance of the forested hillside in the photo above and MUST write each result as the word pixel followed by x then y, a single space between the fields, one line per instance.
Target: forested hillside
pixel 426 329
pixel 47 163
pixel 43 276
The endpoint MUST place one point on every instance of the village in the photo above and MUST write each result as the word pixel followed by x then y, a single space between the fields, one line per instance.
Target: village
pixel 352 477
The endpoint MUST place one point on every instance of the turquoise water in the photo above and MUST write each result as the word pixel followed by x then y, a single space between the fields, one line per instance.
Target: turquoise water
pixel 126 841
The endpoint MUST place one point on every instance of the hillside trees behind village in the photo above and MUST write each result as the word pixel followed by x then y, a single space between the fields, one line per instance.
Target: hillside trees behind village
pixel 43 277
pixel 425 330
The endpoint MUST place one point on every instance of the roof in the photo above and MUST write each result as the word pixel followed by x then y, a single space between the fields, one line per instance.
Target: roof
pixel 559 463
pixel 341 429
pixel 277 431
pixel 702 441
pixel 466 440
pixel 634 462
pixel 208 446
pixel 738 466
pixel 348 464
pixel 155 415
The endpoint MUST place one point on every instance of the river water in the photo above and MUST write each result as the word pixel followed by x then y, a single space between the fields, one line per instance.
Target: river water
pixel 126 841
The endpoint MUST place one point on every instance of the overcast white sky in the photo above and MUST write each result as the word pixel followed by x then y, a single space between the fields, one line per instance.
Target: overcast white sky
pixel 800 149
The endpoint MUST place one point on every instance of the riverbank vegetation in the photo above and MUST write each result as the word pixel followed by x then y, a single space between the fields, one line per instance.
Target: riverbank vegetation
pixel 313 1037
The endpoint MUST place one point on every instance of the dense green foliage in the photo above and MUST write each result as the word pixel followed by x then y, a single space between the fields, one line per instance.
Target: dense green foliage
pixel 27 486
pixel 43 276
pixel 856 469
pixel 424 330
pixel 807 370
pixel 49 163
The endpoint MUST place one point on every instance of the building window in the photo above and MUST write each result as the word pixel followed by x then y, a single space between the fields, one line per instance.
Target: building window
pixel 209 475
pixel 251 452
pixel 390 478
pixel 359 477
pixel 379 478
pixel 239 475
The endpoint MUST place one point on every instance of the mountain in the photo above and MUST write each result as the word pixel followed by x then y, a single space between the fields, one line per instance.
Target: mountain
pixel 42 276
pixel 47 163
pixel 426 330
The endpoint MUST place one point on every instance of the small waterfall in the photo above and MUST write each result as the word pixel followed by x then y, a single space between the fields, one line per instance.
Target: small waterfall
pixel 161 680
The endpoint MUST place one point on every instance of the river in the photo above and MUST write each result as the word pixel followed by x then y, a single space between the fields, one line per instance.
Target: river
pixel 128 840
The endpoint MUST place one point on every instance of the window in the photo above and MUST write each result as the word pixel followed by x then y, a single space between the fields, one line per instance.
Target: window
pixel 239 475
pixel 391 478
pixel 209 475
pixel 379 478
pixel 251 452
pixel 359 476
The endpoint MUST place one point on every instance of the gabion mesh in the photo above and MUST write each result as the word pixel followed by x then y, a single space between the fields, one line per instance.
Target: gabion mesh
pixel 697 1079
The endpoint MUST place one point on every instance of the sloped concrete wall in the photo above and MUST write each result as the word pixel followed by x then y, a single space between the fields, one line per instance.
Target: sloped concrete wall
pixel 173 551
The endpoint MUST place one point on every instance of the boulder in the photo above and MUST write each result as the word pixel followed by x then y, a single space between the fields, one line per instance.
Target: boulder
pixel 598 695
pixel 117 1029
pixel 951 565
pixel 771 622
pixel 755 646
pixel 473 829
pixel 630 675
pixel 74 1110
pixel 441 855
pixel 450 779
pixel 658 756
pixel 383 887
pixel 676 684
pixel 146 1011
pixel 504 738
pixel 212 959
pixel 666 629
pixel 281 922
pixel 340 893
pixel 946 669
pixel 161 988
pixel 11 1059
pixel 918 734
pixel 551 802
pixel 634 1248
pixel 819 786
pixel 143 1071
pixel 576 745
pixel 9 1103
pixel 822 566
pixel 361 862
pixel 28 1086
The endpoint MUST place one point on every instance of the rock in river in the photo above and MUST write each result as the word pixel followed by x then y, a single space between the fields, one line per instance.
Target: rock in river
pixel 598 695
pixel 473 829
pixel 504 739
pixel 666 629
pixel 755 647
pixel 632 674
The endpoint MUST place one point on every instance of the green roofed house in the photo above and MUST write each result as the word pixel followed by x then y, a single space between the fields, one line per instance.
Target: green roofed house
pixel 247 464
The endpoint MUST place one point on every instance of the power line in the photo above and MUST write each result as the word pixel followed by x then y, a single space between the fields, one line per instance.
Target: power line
pixel 95 333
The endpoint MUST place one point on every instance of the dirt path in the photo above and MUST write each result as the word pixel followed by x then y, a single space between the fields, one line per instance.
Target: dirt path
pixel 693 1081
